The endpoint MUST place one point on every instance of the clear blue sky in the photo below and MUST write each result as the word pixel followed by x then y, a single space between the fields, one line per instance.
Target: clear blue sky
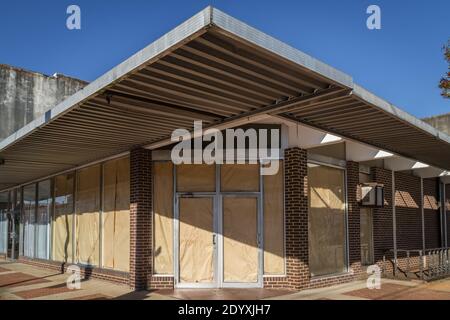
pixel 402 62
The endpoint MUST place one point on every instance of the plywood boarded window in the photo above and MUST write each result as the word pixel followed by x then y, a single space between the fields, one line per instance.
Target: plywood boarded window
pixel 240 247
pixel 29 213
pixel 116 214
pixel 326 220
pixel 239 178
pixel 196 244
pixel 163 217
pixel 196 178
pixel 87 216
pixel 274 223
pixel 63 218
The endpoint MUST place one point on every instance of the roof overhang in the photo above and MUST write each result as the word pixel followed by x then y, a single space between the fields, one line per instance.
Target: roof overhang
pixel 216 69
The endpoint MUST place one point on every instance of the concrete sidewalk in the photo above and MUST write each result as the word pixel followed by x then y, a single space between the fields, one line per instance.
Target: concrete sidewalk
pixel 20 281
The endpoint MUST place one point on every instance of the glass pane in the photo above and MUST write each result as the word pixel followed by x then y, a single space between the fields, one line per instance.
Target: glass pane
pixel 4 202
pixel 326 220
pixel 29 213
pixel 43 219
pixel 18 223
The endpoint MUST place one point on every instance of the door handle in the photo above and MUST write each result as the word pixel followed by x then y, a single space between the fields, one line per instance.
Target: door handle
pixel 214 239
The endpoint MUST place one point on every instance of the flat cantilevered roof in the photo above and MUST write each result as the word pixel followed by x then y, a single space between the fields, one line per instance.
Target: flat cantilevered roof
pixel 217 69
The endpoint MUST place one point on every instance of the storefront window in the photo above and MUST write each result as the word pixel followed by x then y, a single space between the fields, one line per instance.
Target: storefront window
pixel 116 214
pixel 43 219
pixel 4 205
pixel 29 213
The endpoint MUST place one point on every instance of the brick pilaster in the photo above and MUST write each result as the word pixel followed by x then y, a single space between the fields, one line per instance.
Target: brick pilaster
pixel 354 230
pixel 140 218
pixel 296 215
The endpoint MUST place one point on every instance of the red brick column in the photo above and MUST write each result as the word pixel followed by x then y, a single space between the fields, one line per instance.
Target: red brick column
pixel 140 218
pixel 296 215
pixel 383 231
pixel 354 230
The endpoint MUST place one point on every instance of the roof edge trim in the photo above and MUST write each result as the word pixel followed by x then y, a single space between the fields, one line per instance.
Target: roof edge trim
pixel 261 39
pixel 391 109
pixel 176 36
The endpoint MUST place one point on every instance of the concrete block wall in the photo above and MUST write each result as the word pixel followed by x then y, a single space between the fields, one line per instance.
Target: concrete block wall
pixel 25 95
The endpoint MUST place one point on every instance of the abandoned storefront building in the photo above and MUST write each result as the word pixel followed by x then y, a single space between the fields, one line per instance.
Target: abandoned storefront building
pixel 91 180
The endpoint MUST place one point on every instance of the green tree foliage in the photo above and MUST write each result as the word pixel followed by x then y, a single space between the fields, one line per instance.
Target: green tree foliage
pixel 444 84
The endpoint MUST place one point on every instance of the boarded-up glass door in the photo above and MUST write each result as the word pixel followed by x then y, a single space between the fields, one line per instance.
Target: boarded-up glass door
pixel 196 242
pixel 241 257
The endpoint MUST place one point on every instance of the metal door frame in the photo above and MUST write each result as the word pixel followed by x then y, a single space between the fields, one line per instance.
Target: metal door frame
pixel 217 197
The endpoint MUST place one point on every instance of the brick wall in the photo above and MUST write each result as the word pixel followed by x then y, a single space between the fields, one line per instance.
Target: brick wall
pixel 382 217
pixel 408 211
pixel 296 224
pixel 432 213
pixel 140 218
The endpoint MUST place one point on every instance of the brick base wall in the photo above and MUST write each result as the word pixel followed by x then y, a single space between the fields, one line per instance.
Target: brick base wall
pixel 86 272
pixel 161 282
